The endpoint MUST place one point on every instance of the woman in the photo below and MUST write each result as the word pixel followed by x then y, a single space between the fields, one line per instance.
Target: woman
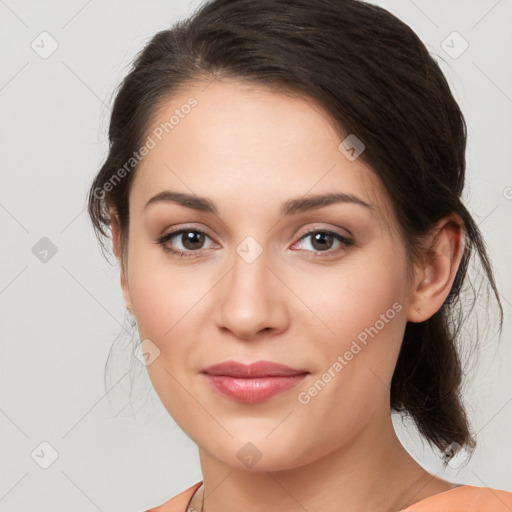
pixel 283 191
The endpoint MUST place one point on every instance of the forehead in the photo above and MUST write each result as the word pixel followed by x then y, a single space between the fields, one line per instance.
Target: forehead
pixel 247 143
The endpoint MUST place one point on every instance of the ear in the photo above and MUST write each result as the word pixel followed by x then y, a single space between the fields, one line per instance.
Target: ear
pixel 116 247
pixel 435 274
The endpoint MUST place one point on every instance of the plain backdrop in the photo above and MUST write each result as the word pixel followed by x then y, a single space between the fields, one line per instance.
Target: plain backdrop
pixel 66 445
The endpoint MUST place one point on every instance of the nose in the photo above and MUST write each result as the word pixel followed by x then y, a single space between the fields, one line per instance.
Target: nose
pixel 252 300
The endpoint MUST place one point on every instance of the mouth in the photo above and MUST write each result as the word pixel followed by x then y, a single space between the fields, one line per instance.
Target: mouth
pixel 252 383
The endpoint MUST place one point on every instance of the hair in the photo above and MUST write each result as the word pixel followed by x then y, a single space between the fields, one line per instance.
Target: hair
pixel 375 78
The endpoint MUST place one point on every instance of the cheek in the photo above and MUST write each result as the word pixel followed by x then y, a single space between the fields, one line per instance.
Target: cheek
pixel 355 380
pixel 348 300
pixel 165 296
pixel 362 311
pixel 168 307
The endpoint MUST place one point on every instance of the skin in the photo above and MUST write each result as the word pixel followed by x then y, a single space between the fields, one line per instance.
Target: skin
pixel 249 149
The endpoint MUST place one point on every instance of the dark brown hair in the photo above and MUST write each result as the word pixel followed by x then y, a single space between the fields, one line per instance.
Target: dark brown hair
pixel 376 79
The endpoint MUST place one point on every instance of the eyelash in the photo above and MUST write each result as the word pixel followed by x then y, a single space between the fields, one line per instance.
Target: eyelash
pixel 346 243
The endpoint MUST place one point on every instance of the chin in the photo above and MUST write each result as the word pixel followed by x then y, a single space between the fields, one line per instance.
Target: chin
pixel 262 455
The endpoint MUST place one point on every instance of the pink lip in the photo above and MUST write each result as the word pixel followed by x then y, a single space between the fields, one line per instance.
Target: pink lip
pixel 252 383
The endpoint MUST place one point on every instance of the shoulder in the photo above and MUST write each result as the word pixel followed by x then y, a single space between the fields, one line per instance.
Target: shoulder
pixel 179 502
pixel 466 498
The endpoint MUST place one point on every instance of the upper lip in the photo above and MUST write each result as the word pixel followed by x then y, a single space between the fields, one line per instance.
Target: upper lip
pixel 256 369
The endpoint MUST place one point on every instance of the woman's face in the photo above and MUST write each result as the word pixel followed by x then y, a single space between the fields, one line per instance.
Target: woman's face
pixel 268 275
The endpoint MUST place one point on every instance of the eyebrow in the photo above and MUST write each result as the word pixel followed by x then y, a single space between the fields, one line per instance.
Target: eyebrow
pixel 289 207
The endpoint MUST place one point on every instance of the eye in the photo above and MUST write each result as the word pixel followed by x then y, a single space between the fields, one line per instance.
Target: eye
pixel 191 241
pixel 321 241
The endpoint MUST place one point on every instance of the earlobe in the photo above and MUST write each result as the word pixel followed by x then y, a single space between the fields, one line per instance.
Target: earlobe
pixel 116 248
pixel 436 274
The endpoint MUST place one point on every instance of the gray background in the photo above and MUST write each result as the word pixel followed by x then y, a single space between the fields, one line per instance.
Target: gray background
pixel 59 317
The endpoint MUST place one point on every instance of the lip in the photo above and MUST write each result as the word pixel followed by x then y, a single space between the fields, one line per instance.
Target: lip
pixel 252 383
pixel 256 369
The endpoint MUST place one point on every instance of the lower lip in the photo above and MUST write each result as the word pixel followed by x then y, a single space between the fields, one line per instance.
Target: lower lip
pixel 253 390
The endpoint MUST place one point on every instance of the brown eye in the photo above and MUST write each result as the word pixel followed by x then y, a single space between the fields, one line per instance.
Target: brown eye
pixel 184 242
pixel 322 241
pixel 192 240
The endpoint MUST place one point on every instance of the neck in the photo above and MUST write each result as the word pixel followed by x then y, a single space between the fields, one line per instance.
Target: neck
pixel 372 472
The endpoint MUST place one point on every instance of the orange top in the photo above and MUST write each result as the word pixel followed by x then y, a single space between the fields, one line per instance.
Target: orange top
pixel 465 498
